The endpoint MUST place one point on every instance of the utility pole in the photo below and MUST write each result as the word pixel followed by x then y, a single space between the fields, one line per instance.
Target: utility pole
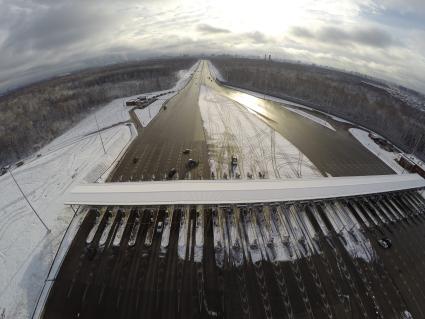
pixel 100 135
pixel 416 145
pixel 33 209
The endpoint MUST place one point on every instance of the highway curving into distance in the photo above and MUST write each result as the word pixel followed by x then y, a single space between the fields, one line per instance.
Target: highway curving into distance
pixel 159 147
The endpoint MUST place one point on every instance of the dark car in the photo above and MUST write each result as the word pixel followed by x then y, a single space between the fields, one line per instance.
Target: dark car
pixel 191 163
pixel 385 243
pixel 234 160
pixel 135 160
pixel 20 163
pixel 187 151
pixel 171 173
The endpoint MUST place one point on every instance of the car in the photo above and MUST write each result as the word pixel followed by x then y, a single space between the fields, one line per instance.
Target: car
pixel 159 227
pixel 20 163
pixel 385 243
pixel 187 151
pixel 234 160
pixel 191 163
pixel 171 173
pixel 3 171
pixel 135 160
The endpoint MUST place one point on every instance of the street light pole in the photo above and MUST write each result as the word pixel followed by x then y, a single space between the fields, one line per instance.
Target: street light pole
pixel 33 209
pixel 100 135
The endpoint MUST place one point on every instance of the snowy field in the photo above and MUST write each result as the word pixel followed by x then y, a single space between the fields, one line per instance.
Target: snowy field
pixel 234 130
pixel 26 249
pixel 147 114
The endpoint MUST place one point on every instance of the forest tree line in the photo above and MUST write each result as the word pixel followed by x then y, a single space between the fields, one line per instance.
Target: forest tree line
pixel 34 115
pixel 349 96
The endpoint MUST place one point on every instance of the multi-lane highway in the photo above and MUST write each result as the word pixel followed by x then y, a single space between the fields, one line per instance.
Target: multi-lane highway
pixel 159 147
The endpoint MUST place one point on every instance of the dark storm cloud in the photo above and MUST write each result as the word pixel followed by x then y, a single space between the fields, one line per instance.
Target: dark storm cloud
pixel 372 37
pixel 206 28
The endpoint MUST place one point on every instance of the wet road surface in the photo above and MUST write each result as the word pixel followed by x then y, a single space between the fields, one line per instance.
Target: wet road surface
pixel 159 147
pixel 284 260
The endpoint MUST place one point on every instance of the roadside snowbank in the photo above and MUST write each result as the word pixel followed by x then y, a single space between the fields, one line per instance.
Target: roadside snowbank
pixel 233 130
pixel 311 117
pixel 388 158
pixel 26 250
pixel 216 73
pixel 147 114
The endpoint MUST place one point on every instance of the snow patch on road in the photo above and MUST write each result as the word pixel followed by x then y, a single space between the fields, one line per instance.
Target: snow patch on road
pixel 232 130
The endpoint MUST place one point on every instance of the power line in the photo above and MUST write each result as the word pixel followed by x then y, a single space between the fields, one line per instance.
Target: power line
pixel 100 135
pixel 23 194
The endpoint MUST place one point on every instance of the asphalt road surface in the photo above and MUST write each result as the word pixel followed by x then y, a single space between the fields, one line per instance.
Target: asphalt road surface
pixel 310 260
pixel 159 147
pixel 335 153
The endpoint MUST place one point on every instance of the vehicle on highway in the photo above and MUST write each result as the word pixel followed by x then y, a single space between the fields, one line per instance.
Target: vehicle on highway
pixel 191 163
pixel 234 160
pixel 385 243
pixel 159 227
pixel 187 151
pixel 171 173
pixel 135 160
pixel 20 163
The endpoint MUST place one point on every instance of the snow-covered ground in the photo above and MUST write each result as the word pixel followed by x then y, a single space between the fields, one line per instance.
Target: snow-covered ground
pixel 388 158
pixel 112 113
pixel 147 114
pixel 234 130
pixel 26 249
pixel 311 117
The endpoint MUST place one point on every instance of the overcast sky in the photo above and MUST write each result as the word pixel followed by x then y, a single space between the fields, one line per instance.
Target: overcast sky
pixel 380 38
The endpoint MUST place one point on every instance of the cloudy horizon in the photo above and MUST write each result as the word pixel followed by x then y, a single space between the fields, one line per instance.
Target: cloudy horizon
pixel 46 37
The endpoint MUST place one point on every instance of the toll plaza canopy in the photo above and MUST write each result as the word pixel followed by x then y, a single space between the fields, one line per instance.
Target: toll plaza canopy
pixel 238 191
